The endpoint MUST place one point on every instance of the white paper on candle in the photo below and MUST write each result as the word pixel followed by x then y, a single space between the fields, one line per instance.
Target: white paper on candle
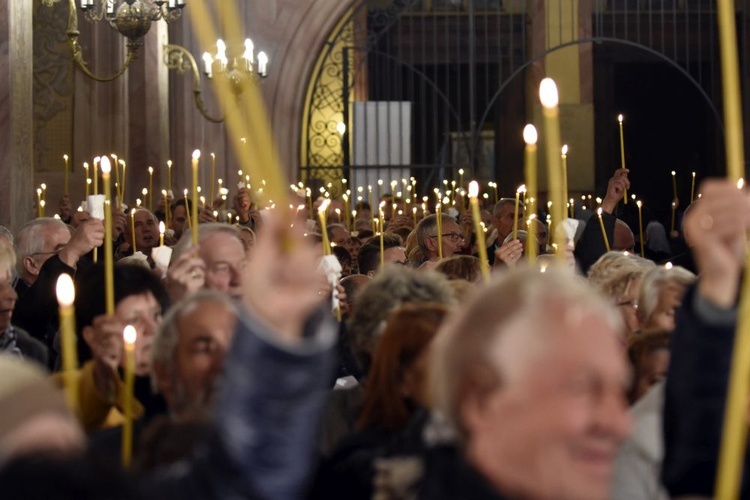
pixel 569 226
pixel 161 255
pixel 96 206
pixel 84 207
pixel 331 267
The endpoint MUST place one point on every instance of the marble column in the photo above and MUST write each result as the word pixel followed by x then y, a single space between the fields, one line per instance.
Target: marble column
pixel 16 120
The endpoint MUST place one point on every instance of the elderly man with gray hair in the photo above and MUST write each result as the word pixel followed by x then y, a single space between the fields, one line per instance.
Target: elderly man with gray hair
pixel 535 402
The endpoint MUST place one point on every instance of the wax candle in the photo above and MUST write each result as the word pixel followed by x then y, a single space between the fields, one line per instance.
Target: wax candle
pixel 484 263
pixel 692 189
pixel 96 175
pixel 196 160
pixel 323 226
pixel 530 137
pixel 65 298
pixel 381 216
pixel 549 98
pixel 622 156
pixel 88 179
pixel 674 185
pixel 640 226
pixel 129 336
pixel 213 178
pixel 564 160
pixel 604 231
pixel 151 188
pixel 65 187
pixel 132 229
pixel 439 221
pixel 109 279
pixel 521 189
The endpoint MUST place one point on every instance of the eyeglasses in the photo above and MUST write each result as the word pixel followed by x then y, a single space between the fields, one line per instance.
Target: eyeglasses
pixel 630 303
pixel 454 237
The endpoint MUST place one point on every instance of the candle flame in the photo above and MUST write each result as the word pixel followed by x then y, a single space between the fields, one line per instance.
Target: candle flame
pixel 197 154
pixel 740 183
pixel 473 189
pixel 129 335
pixel 521 189
pixel 106 166
pixel 65 157
pixel 150 170
pixel 162 228
pixel 548 93
pixel 668 266
pixel 530 135
pixel 599 211
pixel 565 149
pixel 619 118
pixel 66 292
pixel 85 165
pixel 639 203
pixel 324 205
pixel 674 173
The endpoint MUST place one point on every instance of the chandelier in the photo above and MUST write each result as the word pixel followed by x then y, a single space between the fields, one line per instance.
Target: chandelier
pixel 131 18
pixel 244 69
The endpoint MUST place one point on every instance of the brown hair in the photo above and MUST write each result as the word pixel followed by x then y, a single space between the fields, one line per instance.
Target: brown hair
pixel 460 267
pixel 408 332
pixel 639 347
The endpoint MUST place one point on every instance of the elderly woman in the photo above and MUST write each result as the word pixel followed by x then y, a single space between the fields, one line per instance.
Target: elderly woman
pixel 661 294
pixel 618 276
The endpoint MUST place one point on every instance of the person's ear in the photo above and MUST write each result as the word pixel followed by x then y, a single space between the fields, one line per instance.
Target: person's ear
pixel 431 244
pixel 29 264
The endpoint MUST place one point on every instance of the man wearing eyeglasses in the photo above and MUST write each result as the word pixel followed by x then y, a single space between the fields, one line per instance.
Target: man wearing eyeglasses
pixel 427 238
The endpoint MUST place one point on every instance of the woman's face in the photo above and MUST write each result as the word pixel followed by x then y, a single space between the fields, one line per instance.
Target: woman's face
pixel 144 313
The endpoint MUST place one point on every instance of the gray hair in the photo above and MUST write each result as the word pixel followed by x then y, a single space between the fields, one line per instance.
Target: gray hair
pixel 168 334
pixel 466 353
pixel 652 284
pixel 204 231
pixel 613 273
pixel 501 203
pixel 427 228
pixel 6 233
pixel 391 288
pixel 30 241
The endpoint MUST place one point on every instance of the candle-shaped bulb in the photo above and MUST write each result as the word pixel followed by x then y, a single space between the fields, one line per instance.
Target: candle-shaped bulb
pixel 530 136
pixel 473 189
pixel 66 292
pixel 106 165
pixel 548 93
pixel 129 335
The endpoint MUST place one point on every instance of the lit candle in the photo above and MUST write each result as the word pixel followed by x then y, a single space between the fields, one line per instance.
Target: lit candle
pixel 622 156
pixel 121 198
pixel 109 280
pixel 520 190
pixel 692 189
pixel 151 188
pixel 213 178
pixel 531 238
pixel 564 159
pixel 323 226
pixel 604 231
pixel 530 137
pixel 549 98
pixel 65 189
pixel 166 206
pixel 460 177
pixel 116 165
pixel 88 179
pixel 96 175
pixel 65 297
pixel 129 336
pixel 381 215
pixel 169 175
pixel 39 207
pixel 132 228
pixel 162 229
pixel 674 212
pixel 44 192
pixel 439 216
pixel 640 226
pixel 414 213
pixel 347 222
pixel 476 215
pixel 196 160
pixel 674 185
pixel 187 204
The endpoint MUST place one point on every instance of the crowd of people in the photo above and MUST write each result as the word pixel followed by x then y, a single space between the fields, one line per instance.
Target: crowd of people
pixel 409 375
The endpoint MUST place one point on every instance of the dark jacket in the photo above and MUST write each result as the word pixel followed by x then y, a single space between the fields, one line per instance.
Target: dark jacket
pixel 591 244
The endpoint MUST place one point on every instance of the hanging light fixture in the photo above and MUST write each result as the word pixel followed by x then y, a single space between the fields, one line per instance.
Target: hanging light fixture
pixel 130 18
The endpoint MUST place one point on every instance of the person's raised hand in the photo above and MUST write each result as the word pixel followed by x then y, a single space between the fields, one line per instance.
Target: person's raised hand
pixel 65 207
pixel 282 280
pixel 509 253
pixel 716 227
pixel 616 187
pixel 242 205
pixel 205 215
pixel 119 223
pixel 87 236
pixel 186 275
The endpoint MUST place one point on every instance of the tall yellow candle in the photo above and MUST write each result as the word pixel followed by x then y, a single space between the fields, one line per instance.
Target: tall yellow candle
pixel 564 160
pixel 381 216
pixel 129 336
pixel 109 278
pixel 734 438
pixel 549 98
pixel 151 188
pixel 604 230
pixel 121 198
pixel 532 245
pixel 169 175
pixel 323 226
pixel 213 178
pixel 65 297
pixel 196 160
pixel 521 189
pixel 674 213
pixel 132 229
pixel 640 226
pixel 65 186
pixel 96 175
pixel 187 204
pixel 460 178
pixel 88 179
pixel 530 137
pixel 674 185
pixel 622 156
pixel 414 214
pixel 439 221
pixel 116 165
pixel 692 189
pixel 484 263
pixel 39 208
